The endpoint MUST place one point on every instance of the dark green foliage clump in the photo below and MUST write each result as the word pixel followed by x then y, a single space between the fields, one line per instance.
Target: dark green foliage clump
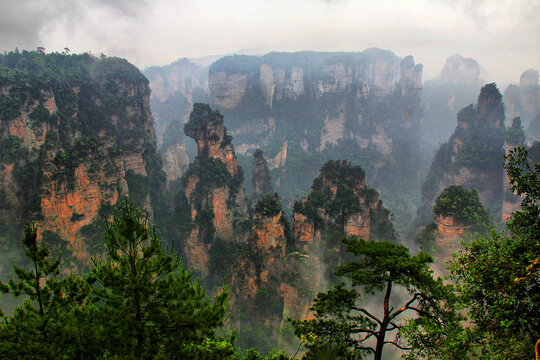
pixel 347 179
pixel 351 196
pixel 464 205
pixel 136 302
pixel 344 328
pixel 200 117
pixel 498 274
pixel 515 134
pixel 268 206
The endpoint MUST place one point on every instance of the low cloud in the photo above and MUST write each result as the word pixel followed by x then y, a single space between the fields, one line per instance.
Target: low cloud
pixel 503 36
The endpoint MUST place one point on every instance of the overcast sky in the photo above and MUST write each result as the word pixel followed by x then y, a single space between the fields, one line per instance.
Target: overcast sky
pixel 502 35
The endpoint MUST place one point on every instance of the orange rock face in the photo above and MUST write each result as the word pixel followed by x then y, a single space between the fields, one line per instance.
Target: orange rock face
pixel 448 241
pixel 227 202
pixel 60 205
pixel 74 173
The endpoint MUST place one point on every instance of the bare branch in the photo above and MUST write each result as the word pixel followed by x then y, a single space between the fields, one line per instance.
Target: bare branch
pixel 397 345
pixel 362 310
pixel 405 307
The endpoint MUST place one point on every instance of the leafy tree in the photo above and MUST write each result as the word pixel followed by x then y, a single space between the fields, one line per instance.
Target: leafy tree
pixel 42 328
pixel 149 305
pixel 464 205
pixel 498 275
pixel 344 328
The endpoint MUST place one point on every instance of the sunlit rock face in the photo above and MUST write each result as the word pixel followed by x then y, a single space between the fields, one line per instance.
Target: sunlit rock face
pixel 302 109
pixel 80 145
pixel 473 155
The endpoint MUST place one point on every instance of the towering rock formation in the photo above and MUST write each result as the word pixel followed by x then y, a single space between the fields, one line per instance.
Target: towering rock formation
pixel 76 134
pixel 260 177
pixel 523 100
pixel 442 98
pixel 303 109
pixel 257 301
pixel 457 214
pixel 214 192
pixel 279 275
pixel 473 155
pixel 514 137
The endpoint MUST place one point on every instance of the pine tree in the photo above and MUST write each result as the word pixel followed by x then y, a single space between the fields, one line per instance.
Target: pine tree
pixel 42 328
pixel 149 305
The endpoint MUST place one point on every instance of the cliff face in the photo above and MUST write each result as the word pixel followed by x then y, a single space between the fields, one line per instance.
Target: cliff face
pixel 514 137
pixel 442 98
pixel 256 297
pixel 523 100
pixel 213 188
pixel 457 214
pixel 281 271
pixel 473 155
pixel 79 137
pixel 175 88
pixel 303 109
pixel 260 177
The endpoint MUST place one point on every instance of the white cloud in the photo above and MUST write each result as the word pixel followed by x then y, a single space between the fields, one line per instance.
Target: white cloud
pixel 502 35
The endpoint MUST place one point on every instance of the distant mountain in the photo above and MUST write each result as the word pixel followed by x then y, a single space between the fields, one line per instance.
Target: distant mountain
pixel 523 100
pixel 442 98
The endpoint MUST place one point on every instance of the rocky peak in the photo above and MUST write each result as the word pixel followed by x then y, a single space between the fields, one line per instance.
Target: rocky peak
pixel 215 197
pixel 529 77
pixel 80 136
pixel 260 178
pixel 488 113
pixel 339 196
pixel 255 285
pixel 460 70
pixel 473 155
pixel 206 127
pixel 490 107
pixel 523 100
pixel 410 74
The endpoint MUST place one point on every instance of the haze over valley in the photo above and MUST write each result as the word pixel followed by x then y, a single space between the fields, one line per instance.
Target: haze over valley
pixel 269 180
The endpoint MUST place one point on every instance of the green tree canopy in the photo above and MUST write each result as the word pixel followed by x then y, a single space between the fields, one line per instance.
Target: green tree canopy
pixel 345 328
pixel 498 275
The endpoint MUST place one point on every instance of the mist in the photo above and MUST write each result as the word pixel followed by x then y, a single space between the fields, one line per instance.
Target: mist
pixel 503 36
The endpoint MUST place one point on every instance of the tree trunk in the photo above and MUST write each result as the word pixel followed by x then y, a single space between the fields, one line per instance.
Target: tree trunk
pixel 384 323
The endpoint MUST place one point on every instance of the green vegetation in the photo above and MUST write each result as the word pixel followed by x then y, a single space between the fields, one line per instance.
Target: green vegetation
pixel 464 206
pixel 344 328
pixel 351 196
pixel 515 134
pixel 136 302
pixel 498 275
pixel 92 122
pixel 268 206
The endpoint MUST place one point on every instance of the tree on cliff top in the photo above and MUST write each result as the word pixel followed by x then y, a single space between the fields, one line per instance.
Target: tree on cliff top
pixel 344 328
